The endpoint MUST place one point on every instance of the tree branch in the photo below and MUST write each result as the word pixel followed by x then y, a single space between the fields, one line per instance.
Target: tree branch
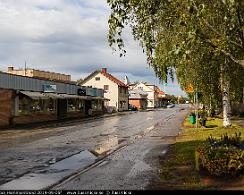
pixel 215 31
pixel 240 62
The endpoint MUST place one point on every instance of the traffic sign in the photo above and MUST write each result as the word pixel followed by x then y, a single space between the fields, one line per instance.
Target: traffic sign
pixel 189 89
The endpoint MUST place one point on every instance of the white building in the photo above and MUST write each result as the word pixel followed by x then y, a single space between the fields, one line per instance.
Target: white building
pixel 152 91
pixel 114 89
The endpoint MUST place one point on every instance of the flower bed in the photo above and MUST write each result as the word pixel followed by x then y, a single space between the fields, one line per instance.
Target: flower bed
pixel 223 157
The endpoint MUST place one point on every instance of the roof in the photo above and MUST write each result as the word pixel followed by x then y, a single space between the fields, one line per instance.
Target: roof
pixel 114 79
pixel 161 93
pixel 109 76
pixel 90 76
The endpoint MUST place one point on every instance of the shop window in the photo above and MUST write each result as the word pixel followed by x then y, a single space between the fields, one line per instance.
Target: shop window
pixel 76 105
pixel 51 105
pixel 30 106
pixel 97 105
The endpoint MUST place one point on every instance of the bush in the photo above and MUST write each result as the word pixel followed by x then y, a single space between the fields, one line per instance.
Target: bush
pixel 223 157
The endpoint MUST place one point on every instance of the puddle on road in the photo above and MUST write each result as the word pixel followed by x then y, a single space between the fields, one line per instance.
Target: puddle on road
pixel 51 175
pixel 110 143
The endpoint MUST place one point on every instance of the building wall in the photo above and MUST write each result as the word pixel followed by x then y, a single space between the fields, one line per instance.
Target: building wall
pixel 123 97
pixel 151 97
pixel 40 74
pixel 139 103
pixel 6 106
pixel 111 94
pixel 136 103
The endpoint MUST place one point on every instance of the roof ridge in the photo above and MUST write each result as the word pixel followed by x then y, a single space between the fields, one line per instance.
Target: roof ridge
pixel 88 77
pixel 114 79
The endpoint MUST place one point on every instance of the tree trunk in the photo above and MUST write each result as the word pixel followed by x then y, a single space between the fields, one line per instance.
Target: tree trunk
pixel 226 104
pixel 225 97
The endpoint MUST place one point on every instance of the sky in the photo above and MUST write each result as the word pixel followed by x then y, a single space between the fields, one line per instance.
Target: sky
pixel 69 37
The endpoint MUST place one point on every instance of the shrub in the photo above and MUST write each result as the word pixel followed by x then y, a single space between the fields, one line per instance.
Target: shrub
pixel 223 157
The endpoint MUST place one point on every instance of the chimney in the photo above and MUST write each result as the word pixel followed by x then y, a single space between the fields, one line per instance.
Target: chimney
pixel 10 68
pixel 104 70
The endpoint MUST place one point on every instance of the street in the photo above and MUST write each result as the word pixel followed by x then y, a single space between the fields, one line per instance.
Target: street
pixel 141 137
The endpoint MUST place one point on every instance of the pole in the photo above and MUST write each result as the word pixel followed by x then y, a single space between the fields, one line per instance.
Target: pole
pixel 196 109
pixel 25 68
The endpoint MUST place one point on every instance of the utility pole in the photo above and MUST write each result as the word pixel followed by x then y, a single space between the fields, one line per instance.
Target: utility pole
pixel 196 109
pixel 25 68
pixel 243 96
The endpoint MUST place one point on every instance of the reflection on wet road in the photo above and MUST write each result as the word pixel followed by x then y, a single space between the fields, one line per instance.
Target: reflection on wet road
pixel 34 153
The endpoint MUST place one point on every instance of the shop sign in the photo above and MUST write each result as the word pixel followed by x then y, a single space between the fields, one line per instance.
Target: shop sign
pixel 49 88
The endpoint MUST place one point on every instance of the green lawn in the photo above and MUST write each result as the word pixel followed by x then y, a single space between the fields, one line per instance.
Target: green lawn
pixel 178 166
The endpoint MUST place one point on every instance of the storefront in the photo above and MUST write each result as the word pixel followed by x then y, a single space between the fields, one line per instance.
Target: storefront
pixel 26 100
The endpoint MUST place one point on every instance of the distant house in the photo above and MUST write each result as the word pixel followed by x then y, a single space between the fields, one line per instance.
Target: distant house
pixel 163 98
pixel 114 89
pixel 152 91
pixel 138 98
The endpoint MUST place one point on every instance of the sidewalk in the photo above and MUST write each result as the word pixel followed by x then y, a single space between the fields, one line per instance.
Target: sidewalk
pixel 60 122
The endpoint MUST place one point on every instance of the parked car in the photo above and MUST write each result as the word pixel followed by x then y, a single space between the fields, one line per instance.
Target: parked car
pixel 170 106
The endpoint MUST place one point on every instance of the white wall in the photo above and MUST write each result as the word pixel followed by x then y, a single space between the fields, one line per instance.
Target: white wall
pixel 111 94
pixel 151 94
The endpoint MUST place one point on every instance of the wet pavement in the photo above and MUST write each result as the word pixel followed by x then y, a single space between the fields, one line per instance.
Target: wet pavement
pixel 33 155
pixel 51 175
pixel 133 167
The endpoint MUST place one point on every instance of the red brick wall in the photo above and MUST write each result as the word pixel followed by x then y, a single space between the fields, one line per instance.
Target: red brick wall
pixel 34 118
pixel 136 103
pixel 6 104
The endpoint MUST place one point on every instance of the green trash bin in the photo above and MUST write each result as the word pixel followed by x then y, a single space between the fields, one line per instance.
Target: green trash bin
pixel 192 118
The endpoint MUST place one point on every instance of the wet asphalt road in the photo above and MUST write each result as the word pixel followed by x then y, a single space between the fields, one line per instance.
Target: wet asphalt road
pixel 146 135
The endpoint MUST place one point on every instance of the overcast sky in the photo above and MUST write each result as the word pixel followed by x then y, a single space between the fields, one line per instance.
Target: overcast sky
pixel 68 36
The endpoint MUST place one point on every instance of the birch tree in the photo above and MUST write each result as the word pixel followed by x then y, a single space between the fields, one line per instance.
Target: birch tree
pixel 187 35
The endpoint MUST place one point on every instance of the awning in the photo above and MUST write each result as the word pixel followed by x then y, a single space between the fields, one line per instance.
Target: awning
pixel 72 96
pixel 34 95
pixel 67 96
pixel 54 95
pixel 97 98
pixel 100 98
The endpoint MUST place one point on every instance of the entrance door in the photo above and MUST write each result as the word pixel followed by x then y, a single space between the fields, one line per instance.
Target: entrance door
pixel 61 108
pixel 88 105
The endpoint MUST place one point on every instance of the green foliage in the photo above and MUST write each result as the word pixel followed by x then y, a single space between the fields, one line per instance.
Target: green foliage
pixel 223 157
pixel 194 37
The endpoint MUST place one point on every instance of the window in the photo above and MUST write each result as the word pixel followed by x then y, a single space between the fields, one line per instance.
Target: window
pixel 106 87
pixel 76 105
pixel 141 88
pixel 97 78
pixel 30 106
pixel 121 90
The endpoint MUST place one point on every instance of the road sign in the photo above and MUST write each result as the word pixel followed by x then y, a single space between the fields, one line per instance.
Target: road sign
pixel 189 89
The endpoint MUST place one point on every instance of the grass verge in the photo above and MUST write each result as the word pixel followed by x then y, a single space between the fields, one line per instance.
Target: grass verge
pixel 178 170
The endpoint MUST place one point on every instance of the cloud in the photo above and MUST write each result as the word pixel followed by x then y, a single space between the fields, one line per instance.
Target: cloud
pixel 67 36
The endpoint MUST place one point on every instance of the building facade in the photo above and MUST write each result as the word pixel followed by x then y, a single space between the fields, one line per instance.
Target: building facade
pixel 151 90
pixel 138 98
pixel 114 89
pixel 26 100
